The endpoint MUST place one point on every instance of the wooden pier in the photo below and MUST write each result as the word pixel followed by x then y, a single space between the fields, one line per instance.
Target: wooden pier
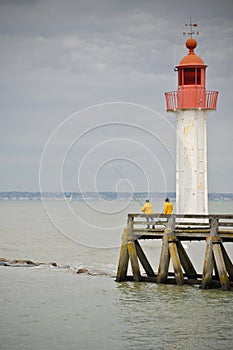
pixel 215 230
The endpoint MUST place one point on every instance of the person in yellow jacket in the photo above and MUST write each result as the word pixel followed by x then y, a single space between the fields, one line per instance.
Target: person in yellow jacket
pixel 168 208
pixel 148 209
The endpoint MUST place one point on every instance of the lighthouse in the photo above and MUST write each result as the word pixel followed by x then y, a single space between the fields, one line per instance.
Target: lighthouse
pixel 191 103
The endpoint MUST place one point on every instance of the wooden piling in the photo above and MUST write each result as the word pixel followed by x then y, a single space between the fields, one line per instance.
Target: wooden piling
pixel 215 257
pixel 134 261
pixel 228 263
pixel 124 258
pixel 175 259
pixel 164 259
pixel 221 267
pixel 208 264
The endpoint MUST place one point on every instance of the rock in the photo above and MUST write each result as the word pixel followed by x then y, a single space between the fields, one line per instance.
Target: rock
pixel 82 271
pixel 25 263
pixel 4 260
pixel 20 265
pixel 22 261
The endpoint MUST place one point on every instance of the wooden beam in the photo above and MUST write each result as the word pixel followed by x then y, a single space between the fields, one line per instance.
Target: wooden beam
pixel 218 256
pixel 143 259
pixel 215 274
pixel 164 260
pixel 208 264
pixel 228 263
pixel 185 261
pixel 175 259
pixel 134 261
pixel 123 259
pixel 214 226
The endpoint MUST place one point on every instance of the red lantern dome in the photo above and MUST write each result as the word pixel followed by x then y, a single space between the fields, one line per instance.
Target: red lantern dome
pixel 191 58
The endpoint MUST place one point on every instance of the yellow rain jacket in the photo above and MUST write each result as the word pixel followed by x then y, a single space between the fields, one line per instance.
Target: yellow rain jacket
pixel 147 208
pixel 168 208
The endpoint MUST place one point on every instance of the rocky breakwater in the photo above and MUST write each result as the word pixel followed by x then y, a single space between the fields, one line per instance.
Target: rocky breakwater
pixel 30 263
pixel 24 263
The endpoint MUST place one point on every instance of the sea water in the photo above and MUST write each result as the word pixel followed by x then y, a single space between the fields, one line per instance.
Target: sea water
pixel 49 307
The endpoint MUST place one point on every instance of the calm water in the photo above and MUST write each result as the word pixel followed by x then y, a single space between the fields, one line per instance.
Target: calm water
pixel 54 308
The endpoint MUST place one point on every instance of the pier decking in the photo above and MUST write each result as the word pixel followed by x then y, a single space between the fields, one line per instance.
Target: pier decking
pixel 214 229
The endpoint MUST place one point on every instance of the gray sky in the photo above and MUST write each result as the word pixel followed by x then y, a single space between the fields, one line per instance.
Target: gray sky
pixel 64 61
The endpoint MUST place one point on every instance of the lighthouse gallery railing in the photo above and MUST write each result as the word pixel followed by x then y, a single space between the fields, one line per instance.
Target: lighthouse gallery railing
pixel 189 99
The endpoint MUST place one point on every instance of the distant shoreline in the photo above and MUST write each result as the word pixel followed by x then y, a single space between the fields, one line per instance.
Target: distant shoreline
pixel 77 196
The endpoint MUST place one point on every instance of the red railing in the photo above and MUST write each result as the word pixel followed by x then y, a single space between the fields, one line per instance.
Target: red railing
pixel 191 99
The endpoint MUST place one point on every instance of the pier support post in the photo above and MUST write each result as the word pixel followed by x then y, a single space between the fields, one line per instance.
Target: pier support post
pixel 228 263
pixel 169 250
pixel 164 259
pixel 124 258
pixel 208 264
pixel 134 261
pixel 217 257
pixel 173 248
pixel 221 267
pixel 128 252
pixel 172 240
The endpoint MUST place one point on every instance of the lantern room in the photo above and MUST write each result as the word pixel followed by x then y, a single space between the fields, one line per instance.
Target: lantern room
pixel 191 93
pixel 191 70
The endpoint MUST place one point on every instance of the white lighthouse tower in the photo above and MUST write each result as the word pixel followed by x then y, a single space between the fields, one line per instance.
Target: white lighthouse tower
pixel 191 104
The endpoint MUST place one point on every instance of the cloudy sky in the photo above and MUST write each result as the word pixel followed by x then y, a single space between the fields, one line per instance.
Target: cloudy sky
pixel 82 92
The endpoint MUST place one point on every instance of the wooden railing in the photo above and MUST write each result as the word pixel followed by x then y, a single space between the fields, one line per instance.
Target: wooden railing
pixel 186 227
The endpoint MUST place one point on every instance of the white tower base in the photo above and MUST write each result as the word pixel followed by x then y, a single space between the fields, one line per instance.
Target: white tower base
pixel 191 162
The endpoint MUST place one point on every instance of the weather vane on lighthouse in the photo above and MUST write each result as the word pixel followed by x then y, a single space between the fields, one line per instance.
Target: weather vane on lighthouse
pixel 191 103
pixel 191 30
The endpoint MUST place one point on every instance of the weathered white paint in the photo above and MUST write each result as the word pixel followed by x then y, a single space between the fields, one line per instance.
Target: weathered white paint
pixel 191 162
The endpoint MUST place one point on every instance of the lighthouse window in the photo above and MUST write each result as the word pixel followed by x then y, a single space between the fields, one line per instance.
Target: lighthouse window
pixel 189 76
pixel 198 75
